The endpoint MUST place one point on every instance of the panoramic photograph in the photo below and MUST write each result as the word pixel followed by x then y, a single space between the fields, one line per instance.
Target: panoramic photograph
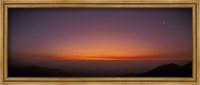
pixel 100 42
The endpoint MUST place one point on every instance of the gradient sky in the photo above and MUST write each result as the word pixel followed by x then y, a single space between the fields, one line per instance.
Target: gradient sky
pixel 99 34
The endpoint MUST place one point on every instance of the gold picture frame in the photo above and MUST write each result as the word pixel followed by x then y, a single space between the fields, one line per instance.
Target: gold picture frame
pixel 5 4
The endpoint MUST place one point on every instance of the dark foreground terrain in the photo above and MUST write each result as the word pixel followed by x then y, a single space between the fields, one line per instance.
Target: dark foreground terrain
pixel 168 70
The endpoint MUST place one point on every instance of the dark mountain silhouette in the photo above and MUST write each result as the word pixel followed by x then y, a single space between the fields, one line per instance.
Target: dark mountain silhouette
pixel 168 70
pixel 184 71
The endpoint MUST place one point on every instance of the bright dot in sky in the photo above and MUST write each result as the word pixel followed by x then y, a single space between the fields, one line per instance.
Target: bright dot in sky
pixel 164 22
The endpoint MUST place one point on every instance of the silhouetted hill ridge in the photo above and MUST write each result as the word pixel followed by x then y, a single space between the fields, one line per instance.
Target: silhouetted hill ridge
pixel 170 70
pixel 184 71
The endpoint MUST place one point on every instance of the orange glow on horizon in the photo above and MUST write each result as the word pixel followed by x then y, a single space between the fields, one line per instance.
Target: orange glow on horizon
pixel 119 58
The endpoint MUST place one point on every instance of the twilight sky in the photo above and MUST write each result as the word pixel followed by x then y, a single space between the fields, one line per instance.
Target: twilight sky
pixel 99 34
